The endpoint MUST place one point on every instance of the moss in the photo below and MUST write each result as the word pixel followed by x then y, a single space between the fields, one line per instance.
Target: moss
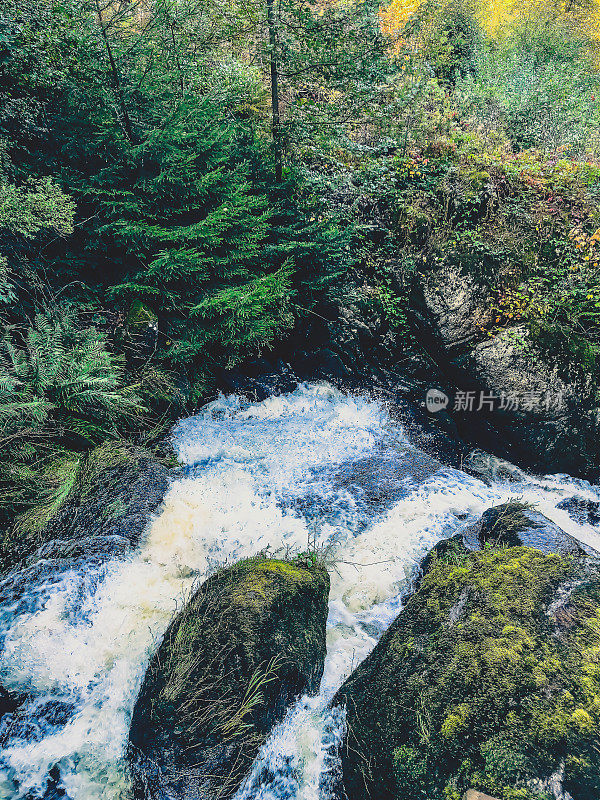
pixel 82 494
pixel 140 314
pixel 260 578
pixel 59 480
pixel 268 566
pixel 250 639
pixel 473 679
pixel 456 721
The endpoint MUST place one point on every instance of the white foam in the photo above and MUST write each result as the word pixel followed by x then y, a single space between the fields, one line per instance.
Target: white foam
pixel 263 477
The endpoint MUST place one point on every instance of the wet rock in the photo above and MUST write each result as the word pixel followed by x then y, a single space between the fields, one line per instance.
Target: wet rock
pixel 116 490
pixel 250 640
pixel 92 548
pixel 490 468
pixel 259 379
pixel 475 683
pixel 582 510
pixel 473 794
pixel 9 701
pixel 513 524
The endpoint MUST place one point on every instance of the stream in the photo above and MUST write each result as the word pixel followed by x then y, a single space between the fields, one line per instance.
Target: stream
pixel 311 469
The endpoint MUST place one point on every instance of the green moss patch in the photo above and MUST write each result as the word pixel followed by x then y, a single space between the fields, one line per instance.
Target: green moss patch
pixel 476 686
pixel 249 641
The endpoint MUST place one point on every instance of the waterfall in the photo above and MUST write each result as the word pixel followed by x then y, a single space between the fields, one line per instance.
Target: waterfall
pixel 311 469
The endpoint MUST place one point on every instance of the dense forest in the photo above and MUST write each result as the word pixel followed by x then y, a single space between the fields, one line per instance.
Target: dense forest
pixel 184 183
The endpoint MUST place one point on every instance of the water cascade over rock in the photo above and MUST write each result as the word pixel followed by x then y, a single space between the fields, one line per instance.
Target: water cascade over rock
pixel 314 469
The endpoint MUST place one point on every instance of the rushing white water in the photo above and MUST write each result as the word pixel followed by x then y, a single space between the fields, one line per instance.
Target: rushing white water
pixel 311 468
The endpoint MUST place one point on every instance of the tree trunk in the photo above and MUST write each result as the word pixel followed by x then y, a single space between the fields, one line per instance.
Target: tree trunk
pixel 276 123
pixel 116 78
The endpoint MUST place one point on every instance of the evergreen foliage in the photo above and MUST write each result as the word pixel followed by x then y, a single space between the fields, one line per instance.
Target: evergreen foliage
pixel 183 207
pixel 206 242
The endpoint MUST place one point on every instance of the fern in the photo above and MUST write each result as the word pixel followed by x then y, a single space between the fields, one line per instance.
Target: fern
pixel 60 390
pixel 59 372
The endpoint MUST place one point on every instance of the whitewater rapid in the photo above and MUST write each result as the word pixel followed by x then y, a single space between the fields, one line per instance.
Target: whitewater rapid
pixel 313 468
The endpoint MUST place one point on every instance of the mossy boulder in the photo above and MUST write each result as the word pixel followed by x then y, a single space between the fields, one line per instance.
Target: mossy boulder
pixel 108 498
pixel 489 679
pixel 512 524
pixel 110 492
pixel 250 641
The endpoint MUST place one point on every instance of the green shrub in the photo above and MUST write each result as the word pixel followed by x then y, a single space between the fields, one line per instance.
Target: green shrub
pixel 61 392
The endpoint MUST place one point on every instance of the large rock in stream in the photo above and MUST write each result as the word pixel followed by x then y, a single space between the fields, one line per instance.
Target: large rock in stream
pixel 489 679
pixel 250 640
pixel 114 492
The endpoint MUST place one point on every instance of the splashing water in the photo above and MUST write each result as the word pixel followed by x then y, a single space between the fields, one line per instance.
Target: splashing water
pixel 312 467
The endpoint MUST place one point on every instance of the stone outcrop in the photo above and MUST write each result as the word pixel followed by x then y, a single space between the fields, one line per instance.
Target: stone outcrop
pixel 513 524
pixel 556 424
pixel 250 640
pixel 488 679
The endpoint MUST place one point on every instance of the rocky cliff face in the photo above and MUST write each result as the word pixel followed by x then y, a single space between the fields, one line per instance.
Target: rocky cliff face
pixel 488 679
pixel 555 422
pixel 249 641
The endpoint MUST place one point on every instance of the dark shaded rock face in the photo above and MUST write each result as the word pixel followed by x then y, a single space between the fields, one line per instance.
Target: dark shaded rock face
pixel 560 432
pixel 582 510
pixel 488 679
pixel 452 305
pixel 249 642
